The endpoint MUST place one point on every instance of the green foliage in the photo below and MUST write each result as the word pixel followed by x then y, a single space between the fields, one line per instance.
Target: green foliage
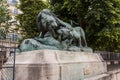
pixel 30 9
pixel 4 15
pixel 99 18
pixel 2 33
pixel 110 40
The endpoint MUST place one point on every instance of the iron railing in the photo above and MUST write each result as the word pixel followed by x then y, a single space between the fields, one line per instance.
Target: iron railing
pixel 107 56
pixel 7 63
pixel 8 43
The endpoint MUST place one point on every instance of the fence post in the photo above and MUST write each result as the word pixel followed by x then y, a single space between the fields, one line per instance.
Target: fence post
pixel 14 63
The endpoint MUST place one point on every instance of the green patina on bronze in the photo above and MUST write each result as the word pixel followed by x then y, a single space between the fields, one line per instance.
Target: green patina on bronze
pixel 55 34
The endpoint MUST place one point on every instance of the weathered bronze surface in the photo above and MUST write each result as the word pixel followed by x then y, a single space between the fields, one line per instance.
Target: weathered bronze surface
pixel 56 34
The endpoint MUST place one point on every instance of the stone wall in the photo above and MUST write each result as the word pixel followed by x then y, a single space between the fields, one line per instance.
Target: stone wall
pixel 58 65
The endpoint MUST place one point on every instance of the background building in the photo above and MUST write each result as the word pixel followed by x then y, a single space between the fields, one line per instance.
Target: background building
pixel 13 35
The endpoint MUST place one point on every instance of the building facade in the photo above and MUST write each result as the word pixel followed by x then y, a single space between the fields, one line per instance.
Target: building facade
pixel 13 35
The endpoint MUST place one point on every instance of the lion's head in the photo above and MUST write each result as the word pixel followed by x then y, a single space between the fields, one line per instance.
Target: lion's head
pixel 46 20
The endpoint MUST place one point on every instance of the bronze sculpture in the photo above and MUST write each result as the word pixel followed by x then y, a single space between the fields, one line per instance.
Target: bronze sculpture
pixel 55 34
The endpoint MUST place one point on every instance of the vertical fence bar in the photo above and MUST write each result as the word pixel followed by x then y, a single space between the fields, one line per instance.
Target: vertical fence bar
pixel 14 63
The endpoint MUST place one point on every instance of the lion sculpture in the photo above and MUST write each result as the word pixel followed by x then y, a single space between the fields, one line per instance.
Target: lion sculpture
pixel 55 34
pixel 46 22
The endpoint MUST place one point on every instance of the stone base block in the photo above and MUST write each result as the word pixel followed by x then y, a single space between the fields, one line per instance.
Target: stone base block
pixel 58 65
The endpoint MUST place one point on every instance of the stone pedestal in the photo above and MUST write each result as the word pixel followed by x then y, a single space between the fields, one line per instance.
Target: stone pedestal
pixel 57 65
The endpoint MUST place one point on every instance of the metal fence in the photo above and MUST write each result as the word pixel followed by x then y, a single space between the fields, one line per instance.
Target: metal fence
pixel 8 43
pixel 111 57
pixel 7 63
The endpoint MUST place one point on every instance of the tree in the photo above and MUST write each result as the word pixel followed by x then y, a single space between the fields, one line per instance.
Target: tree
pixel 2 34
pixel 27 20
pixel 111 36
pixel 4 18
pixel 95 17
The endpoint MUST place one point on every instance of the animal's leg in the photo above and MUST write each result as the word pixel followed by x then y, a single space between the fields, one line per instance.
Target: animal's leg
pixel 60 38
pixel 85 42
pixel 65 43
pixel 80 44
pixel 83 36
pixel 42 34
pixel 53 32
pixel 70 43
